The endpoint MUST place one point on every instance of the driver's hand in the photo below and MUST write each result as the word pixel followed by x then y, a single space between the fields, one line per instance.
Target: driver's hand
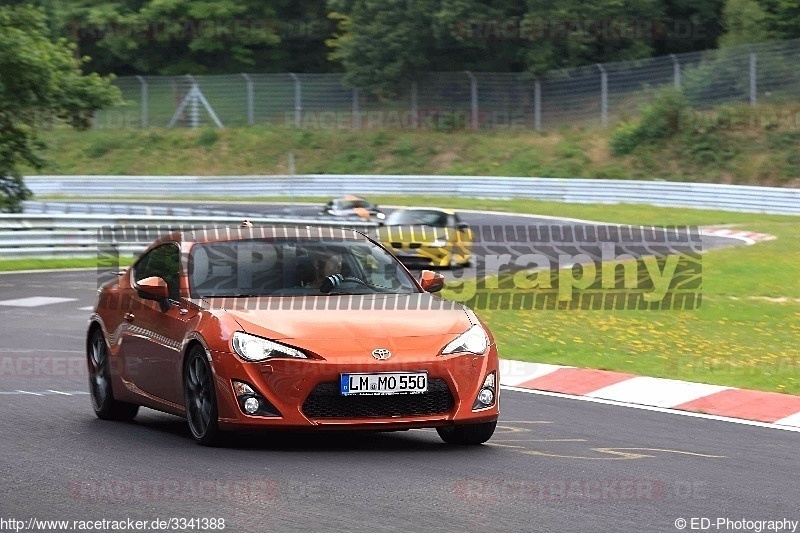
pixel 330 282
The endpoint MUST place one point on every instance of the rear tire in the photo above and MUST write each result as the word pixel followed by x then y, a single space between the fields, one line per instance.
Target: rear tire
pixel 102 395
pixel 200 398
pixel 468 434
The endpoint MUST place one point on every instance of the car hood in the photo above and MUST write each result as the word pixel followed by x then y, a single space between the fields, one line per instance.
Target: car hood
pixel 351 317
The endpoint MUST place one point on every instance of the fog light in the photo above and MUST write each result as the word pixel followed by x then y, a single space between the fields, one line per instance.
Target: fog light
pixel 486 396
pixel 251 405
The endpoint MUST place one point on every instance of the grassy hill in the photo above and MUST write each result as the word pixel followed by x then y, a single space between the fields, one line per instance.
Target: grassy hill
pixel 745 156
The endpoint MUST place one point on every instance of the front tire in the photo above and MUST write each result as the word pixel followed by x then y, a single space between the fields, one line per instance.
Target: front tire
pixel 467 434
pixel 103 402
pixel 200 398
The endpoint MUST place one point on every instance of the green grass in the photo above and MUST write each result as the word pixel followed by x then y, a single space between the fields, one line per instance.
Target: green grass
pixel 756 157
pixel 7 265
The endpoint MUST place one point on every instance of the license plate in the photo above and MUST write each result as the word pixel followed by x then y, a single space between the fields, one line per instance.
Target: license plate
pixel 384 383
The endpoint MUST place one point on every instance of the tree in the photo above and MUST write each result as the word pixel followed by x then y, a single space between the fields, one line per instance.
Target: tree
pixel 783 17
pixel 40 83
pixel 177 37
pixel 383 43
pixel 695 26
pixel 745 22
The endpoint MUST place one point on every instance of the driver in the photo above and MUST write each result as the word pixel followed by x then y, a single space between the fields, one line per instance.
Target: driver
pixel 318 269
pixel 327 272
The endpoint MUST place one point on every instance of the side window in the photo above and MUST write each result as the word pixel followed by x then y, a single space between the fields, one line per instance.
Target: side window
pixel 162 262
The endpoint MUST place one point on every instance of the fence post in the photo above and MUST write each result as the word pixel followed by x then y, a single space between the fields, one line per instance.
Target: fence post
pixel 145 118
pixel 414 108
pixel 676 71
pixel 298 99
pixel 603 95
pixel 194 110
pixel 537 104
pixel 473 90
pixel 753 86
pixel 356 112
pixel 251 116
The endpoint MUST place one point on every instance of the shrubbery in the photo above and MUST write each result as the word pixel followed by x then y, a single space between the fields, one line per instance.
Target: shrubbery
pixel 660 119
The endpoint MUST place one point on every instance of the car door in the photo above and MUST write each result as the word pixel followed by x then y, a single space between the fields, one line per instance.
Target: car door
pixel 156 329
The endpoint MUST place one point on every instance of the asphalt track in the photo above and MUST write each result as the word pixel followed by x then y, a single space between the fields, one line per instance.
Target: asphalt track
pixel 555 464
pixel 474 218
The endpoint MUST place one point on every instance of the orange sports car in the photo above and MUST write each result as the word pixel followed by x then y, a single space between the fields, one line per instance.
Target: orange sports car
pixel 273 327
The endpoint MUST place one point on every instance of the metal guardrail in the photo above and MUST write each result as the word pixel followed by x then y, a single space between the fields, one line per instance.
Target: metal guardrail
pixel 753 199
pixel 82 235
pixel 105 208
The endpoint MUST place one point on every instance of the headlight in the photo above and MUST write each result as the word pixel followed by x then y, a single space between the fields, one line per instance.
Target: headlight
pixel 474 340
pixel 252 348
pixel 381 216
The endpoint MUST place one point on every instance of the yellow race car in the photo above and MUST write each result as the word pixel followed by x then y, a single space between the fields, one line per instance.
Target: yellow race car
pixel 424 236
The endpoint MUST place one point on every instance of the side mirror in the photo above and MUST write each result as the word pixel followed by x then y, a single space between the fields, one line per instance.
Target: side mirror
pixel 463 226
pixel 431 281
pixel 153 288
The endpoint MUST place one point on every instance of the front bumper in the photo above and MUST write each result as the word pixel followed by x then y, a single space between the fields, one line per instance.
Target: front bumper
pixel 302 392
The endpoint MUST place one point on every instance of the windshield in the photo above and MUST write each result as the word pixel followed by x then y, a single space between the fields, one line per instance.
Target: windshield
pixel 294 267
pixel 417 217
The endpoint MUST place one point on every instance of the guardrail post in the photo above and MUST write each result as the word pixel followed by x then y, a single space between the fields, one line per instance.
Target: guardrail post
pixel 145 118
pixel 603 95
pixel 298 100
pixel 676 71
pixel 356 112
pixel 753 86
pixel 251 116
pixel 537 104
pixel 473 89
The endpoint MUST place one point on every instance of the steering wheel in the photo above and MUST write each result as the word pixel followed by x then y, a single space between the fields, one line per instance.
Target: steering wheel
pixel 334 281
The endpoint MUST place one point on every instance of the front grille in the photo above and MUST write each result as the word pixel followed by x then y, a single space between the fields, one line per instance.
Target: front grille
pixel 325 401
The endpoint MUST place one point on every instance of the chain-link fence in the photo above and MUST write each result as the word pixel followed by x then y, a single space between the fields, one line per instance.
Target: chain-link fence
pixel 589 95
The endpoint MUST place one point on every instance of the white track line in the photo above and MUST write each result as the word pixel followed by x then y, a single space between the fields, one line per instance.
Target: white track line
pixel 36 301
